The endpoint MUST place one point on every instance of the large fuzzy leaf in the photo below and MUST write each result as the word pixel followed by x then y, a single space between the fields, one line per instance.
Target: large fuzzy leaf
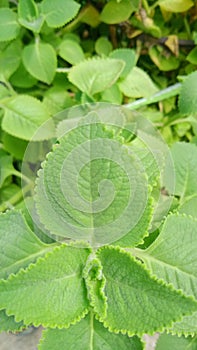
pixel 19 246
pixel 136 302
pixel 87 187
pixel 50 292
pixel 96 74
pixel 88 334
pixel 172 256
pixel 168 341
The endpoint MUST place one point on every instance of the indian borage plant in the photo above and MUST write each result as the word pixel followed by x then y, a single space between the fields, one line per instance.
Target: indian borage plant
pixel 102 279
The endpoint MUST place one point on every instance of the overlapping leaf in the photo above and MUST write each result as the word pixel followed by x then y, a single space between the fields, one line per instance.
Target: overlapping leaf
pixel 9 27
pixel 96 74
pixel 59 12
pixel 50 292
pixel 136 302
pixel 88 334
pixel 19 246
pixel 40 61
pixel 23 116
pixel 69 201
pixel 172 256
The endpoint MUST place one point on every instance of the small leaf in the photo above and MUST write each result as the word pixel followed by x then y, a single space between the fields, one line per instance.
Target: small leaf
pixel 71 51
pixel 176 5
pixel 137 84
pixel 23 116
pixel 10 59
pixel 56 99
pixel 9 27
pixel 40 61
pixel 6 167
pixel 188 96
pixel 88 334
pixel 172 256
pixel 168 341
pixel 59 12
pixel 19 246
pixel 103 46
pixel 137 303
pixel 15 146
pixel 187 326
pixel 116 12
pixel 128 56
pixel 53 290
pixel 29 15
pixel 112 94
pixel 96 74
pixel 8 323
pixel 192 57
pixel 184 156
pixel 22 79
pixel 162 59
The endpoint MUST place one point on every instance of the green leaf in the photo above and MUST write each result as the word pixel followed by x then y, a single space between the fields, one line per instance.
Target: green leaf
pixel 59 12
pixel 188 96
pixel 53 290
pixel 138 303
pixel 128 56
pixel 103 46
pixel 116 12
pixel 40 61
pixel 176 5
pixel 10 59
pixel 6 167
pixel 140 231
pixel 29 17
pixel 71 51
pixel 188 326
pixel 192 57
pixel 15 146
pixel 164 61
pixel 112 94
pixel 87 186
pixel 56 99
pixel 168 341
pixel 189 206
pixel 23 116
pixel 9 27
pixel 184 156
pixel 19 246
pixel 172 256
pixel 88 334
pixel 22 79
pixel 137 84
pixel 96 74
pixel 8 324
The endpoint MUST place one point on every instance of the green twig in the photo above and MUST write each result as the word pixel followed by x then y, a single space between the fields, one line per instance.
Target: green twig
pixel 15 198
pixel 161 95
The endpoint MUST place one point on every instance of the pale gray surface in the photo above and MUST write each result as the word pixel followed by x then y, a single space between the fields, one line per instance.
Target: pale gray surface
pixel 20 341
pixel 30 341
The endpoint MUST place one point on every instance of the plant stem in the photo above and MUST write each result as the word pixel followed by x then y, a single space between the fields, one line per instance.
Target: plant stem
pixel 15 198
pixel 62 70
pixel 161 95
